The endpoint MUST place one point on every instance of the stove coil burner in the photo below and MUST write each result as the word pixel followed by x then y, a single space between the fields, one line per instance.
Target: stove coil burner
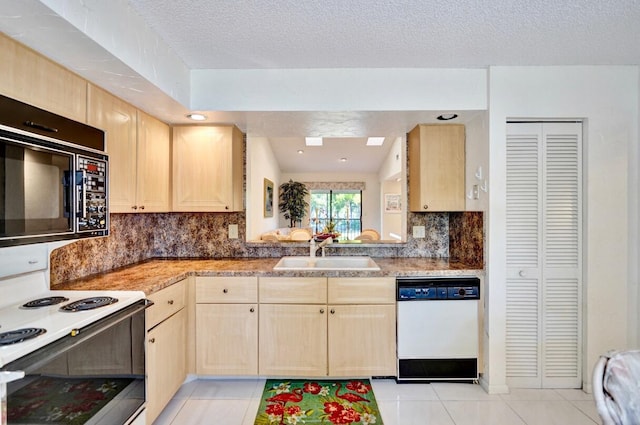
pixel 45 302
pixel 89 303
pixel 19 335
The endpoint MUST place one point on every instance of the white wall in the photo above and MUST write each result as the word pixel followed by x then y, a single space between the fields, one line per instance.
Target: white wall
pixel 477 156
pixel 261 164
pixel 391 222
pixel 365 89
pixel 370 196
pixel 607 98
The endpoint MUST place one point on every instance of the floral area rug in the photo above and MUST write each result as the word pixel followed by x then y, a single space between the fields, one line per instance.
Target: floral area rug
pixel 62 401
pixel 293 402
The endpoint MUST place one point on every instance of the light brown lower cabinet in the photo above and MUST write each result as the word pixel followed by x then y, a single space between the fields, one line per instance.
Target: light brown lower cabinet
pixel 362 340
pixel 226 339
pixel 327 327
pixel 166 356
pixel 362 326
pixel 226 325
pixel 293 339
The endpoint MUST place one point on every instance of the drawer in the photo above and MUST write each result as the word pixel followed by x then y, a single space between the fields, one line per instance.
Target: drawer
pixel 223 290
pixel 293 290
pixel 166 302
pixel 362 290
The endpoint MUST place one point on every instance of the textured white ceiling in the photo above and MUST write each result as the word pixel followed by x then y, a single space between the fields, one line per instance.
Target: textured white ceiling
pixel 244 34
pixel 143 50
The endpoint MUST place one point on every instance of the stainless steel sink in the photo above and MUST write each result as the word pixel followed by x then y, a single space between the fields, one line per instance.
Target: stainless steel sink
pixel 327 263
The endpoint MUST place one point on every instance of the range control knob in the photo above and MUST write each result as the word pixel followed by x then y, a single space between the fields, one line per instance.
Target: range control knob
pixel 462 292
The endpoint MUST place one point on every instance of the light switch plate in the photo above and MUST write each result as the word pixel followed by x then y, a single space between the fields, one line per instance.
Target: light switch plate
pixel 418 232
pixel 233 231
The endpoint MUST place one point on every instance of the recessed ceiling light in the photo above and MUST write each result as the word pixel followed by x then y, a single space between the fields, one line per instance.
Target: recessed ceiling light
pixel 343 159
pixel 197 117
pixel 313 141
pixel 375 141
pixel 300 151
pixel 447 117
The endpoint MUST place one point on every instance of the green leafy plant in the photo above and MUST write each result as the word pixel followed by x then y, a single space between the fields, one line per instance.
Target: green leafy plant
pixel 292 201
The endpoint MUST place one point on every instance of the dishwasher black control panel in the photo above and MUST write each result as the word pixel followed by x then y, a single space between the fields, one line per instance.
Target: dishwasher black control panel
pixel 425 289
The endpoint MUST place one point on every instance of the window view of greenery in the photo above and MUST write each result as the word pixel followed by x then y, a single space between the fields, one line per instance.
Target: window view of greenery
pixel 334 211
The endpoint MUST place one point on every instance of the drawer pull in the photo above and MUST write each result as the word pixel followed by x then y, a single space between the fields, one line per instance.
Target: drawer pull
pixel 170 302
pixel 152 340
pixel 225 290
pixel 322 311
pixel 333 311
pixel 252 309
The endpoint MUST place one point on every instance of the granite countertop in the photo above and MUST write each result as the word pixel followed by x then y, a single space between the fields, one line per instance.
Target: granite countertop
pixel 153 275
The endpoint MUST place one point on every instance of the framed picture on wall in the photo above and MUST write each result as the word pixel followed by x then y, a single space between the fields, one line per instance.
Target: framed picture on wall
pixel 268 198
pixel 392 202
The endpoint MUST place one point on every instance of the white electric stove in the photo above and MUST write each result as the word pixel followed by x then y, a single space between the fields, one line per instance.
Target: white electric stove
pixel 73 322
pixel 49 322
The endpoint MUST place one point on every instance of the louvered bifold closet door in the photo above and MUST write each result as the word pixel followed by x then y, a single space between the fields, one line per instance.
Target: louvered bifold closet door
pixel 523 244
pixel 543 321
pixel 562 261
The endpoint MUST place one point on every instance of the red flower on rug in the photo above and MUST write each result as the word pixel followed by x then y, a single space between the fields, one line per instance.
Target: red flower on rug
pixel 311 387
pixel 359 387
pixel 338 414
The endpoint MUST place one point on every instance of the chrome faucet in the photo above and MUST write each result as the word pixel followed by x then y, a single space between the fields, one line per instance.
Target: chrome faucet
pixel 313 247
pixel 324 243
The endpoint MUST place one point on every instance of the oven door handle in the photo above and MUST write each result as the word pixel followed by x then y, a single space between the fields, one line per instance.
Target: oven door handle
pixel 6 377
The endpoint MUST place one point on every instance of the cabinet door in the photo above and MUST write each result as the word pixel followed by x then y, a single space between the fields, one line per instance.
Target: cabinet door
pixel 437 168
pixel 206 163
pixel 31 78
pixel 362 340
pixel 153 168
pixel 166 362
pixel 118 119
pixel 293 340
pixel 227 339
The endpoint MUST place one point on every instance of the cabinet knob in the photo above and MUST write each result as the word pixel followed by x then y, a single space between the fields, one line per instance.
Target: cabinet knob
pixel 522 273
pixel 170 302
pixel 333 311
pixel 141 207
pixel 152 340
pixel 322 311
pixel 226 207
pixel 425 207
pixel 225 290
pixel 252 309
pixel 134 207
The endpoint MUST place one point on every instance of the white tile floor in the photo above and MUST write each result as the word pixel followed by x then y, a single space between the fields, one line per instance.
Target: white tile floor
pixel 235 402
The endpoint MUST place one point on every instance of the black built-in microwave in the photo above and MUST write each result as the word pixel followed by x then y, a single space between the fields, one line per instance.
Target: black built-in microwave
pixel 54 177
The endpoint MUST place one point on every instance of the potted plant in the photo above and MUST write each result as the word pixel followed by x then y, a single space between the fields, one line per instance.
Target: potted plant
pixel 292 201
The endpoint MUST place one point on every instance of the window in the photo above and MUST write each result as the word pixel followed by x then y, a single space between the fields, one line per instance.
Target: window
pixel 342 207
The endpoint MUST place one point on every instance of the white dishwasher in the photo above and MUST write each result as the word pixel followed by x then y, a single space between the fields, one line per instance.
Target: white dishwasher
pixel 437 328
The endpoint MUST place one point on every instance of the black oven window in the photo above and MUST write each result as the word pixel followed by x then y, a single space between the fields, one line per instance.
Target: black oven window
pixel 34 190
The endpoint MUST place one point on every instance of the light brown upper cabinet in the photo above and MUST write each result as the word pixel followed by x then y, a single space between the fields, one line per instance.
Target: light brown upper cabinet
pixel 138 146
pixel 31 78
pixel 437 167
pixel 153 165
pixel 207 168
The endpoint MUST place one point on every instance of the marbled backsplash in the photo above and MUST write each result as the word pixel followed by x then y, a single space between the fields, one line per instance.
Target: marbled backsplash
pixel 137 237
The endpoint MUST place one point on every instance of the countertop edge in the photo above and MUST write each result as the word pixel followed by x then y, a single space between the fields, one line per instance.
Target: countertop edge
pixel 153 275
